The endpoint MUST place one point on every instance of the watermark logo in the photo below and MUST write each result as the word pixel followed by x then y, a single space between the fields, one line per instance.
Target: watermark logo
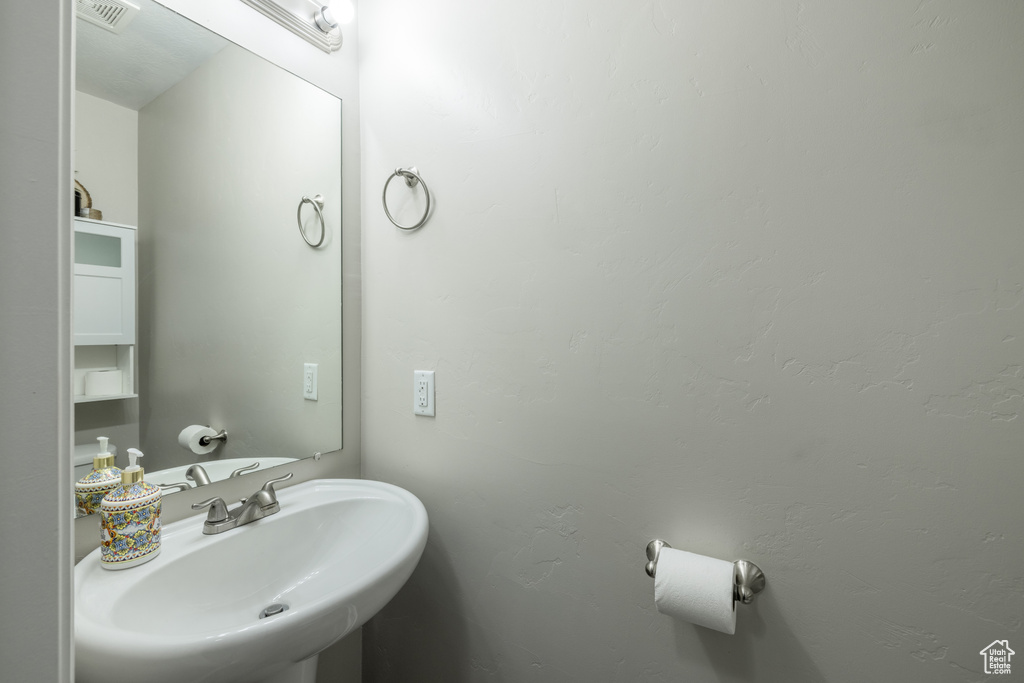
pixel 997 657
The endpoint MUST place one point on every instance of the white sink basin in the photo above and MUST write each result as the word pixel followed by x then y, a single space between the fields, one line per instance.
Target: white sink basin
pixel 335 554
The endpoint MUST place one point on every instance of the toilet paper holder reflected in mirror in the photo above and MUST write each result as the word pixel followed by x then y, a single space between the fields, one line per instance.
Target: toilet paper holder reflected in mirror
pixel 221 436
pixel 748 579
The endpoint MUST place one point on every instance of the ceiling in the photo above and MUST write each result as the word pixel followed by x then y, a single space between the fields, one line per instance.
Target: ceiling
pixel 156 50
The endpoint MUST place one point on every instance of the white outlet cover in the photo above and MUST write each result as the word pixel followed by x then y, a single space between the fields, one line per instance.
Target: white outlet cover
pixel 423 392
pixel 309 381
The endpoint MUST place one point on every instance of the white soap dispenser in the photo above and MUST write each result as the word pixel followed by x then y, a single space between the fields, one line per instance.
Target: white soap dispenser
pixel 104 478
pixel 130 519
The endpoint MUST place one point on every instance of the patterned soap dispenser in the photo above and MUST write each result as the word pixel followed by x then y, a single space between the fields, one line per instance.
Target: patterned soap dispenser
pixel 130 519
pixel 104 478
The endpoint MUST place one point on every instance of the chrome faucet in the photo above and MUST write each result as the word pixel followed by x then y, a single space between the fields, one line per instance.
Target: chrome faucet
pixel 197 474
pixel 261 504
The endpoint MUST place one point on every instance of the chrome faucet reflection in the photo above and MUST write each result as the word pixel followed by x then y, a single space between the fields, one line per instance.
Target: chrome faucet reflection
pixel 197 474
pixel 261 504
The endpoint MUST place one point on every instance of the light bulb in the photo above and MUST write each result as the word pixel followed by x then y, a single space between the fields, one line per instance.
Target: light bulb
pixel 344 11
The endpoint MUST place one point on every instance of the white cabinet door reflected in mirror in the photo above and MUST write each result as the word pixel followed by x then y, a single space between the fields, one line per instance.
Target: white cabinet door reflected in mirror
pixel 104 283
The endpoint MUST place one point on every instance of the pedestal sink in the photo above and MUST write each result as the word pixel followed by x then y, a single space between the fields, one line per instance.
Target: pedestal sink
pixel 334 555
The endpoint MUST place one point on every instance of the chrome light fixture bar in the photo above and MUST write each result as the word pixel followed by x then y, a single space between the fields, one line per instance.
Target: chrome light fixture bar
pixel 312 21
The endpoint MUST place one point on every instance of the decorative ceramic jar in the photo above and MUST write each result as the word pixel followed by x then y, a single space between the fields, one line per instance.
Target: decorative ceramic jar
pixel 104 478
pixel 130 520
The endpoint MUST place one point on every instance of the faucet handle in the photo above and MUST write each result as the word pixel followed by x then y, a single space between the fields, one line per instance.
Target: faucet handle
pixel 268 487
pixel 218 509
pixel 177 486
pixel 242 470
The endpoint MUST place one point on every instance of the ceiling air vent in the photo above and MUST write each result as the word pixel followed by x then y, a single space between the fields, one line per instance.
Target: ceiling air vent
pixel 113 15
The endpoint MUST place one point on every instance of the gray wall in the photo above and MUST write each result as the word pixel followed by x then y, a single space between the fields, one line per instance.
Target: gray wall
pixel 232 301
pixel 743 276
pixel 36 79
pixel 107 156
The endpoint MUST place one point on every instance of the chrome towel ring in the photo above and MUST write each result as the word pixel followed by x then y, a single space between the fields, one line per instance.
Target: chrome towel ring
pixel 412 178
pixel 318 205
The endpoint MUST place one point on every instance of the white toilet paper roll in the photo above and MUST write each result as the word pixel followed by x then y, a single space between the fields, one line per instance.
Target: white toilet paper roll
pixel 695 588
pixel 189 438
pixel 103 383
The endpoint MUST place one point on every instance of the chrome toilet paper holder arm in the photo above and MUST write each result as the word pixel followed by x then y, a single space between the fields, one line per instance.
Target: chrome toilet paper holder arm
pixel 221 436
pixel 748 579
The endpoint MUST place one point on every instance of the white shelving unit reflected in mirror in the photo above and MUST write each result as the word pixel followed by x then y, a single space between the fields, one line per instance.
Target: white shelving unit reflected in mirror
pixel 104 311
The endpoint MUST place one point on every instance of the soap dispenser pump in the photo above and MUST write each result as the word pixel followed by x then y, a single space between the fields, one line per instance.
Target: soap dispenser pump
pixel 104 478
pixel 130 519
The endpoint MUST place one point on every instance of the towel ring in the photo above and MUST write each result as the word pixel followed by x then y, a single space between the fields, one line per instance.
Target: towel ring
pixel 412 178
pixel 318 205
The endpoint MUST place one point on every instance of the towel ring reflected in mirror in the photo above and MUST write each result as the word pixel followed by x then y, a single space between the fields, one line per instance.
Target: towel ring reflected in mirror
pixel 412 179
pixel 318 206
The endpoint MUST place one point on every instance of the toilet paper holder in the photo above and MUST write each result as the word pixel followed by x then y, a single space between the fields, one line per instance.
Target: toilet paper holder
pixel 748 579
pixel 221 436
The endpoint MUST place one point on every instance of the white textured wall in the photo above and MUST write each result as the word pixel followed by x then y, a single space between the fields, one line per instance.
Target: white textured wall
pixel 107 157
pixel 746 277
pixel 36 560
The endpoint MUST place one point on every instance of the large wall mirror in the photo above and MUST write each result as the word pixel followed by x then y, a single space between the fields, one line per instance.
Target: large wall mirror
pixel 203 153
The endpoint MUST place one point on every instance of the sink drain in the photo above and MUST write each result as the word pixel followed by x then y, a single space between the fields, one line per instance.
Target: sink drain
pixel 271 610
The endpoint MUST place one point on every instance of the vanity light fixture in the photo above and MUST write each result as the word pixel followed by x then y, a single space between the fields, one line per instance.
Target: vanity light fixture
pixel 324 19
pixel 316 21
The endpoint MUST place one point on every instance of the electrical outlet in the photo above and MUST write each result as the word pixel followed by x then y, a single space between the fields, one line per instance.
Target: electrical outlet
pixel 309 389
pixel 423 392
